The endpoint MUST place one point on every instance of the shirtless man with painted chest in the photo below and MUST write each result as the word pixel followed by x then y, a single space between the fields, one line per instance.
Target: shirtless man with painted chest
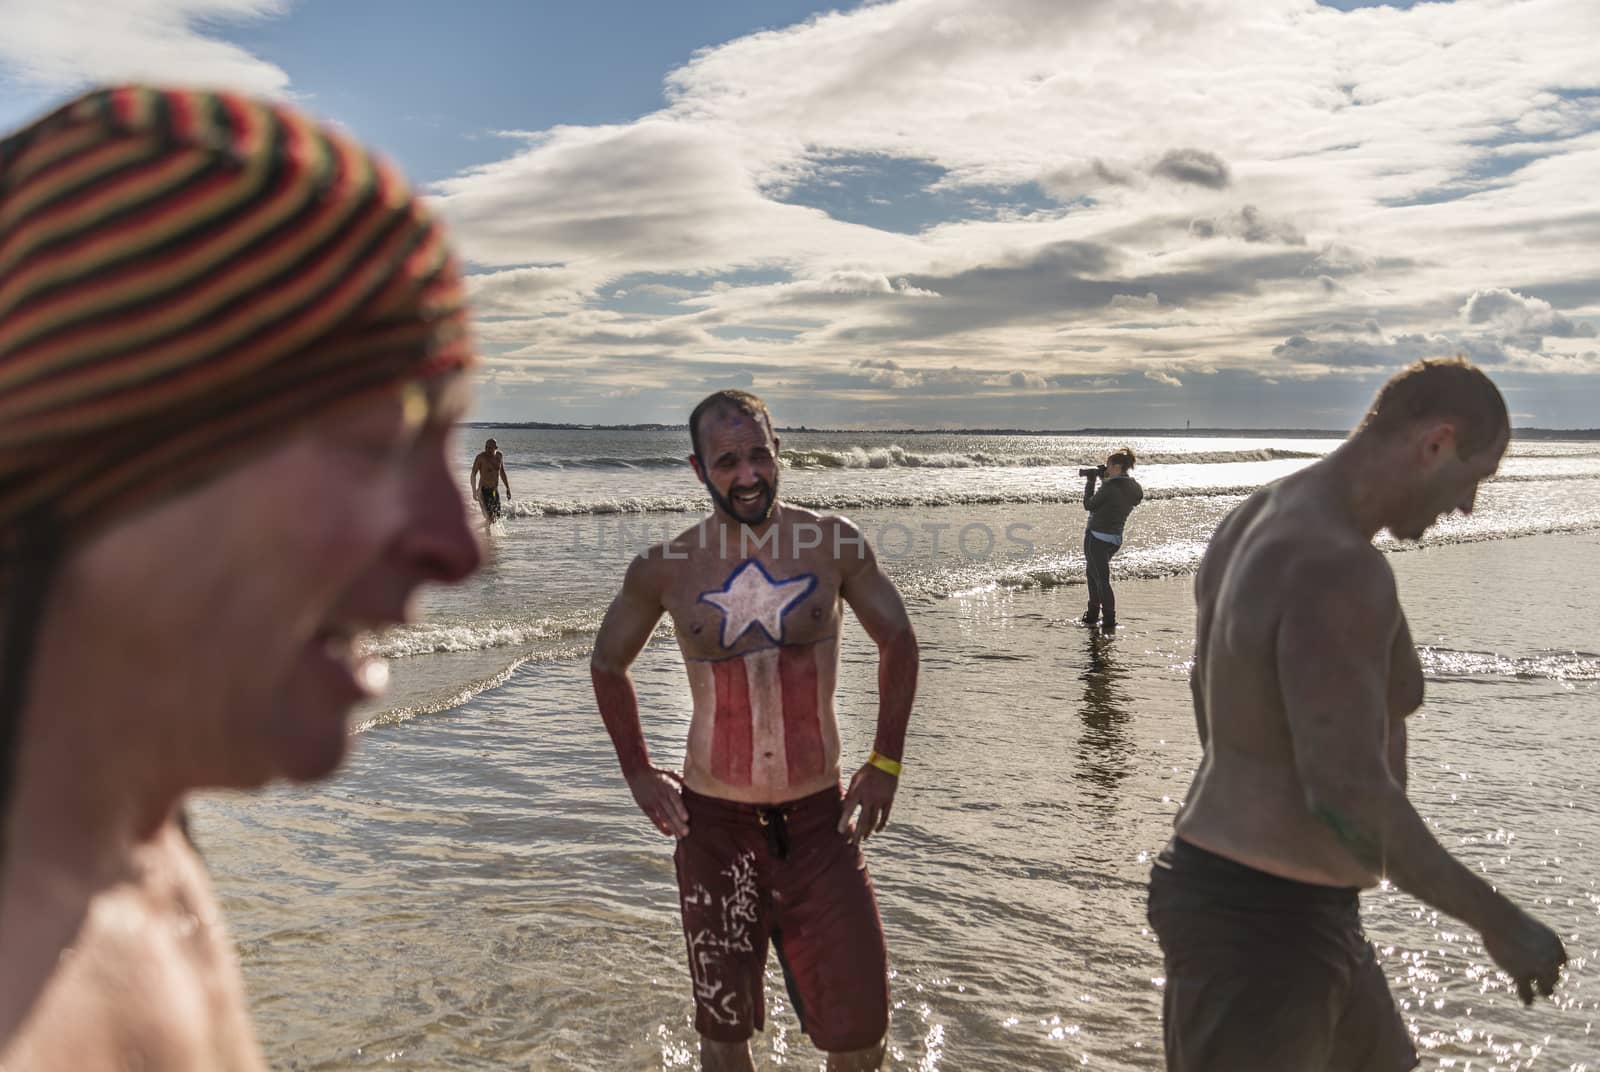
pixel 1304 674
pixel 766 847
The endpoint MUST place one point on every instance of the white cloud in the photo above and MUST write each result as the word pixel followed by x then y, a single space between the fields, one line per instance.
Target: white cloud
pixel 1188 184
pixel 1513 314
pixel 61 45
pixel 512 291
pixel 660 195
pixel 1372 189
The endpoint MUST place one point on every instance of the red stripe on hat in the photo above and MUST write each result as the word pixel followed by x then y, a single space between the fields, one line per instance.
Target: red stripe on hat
pixel 731 732
pixel 69 181
pixel 131 104
pixel 180 112
pixel 255 328
pixel 232 266
pixel 250 122
pixel 93 251
pixel 802 729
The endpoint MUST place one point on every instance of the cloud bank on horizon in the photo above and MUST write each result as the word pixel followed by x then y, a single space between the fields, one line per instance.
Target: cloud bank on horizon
pixel 1028 213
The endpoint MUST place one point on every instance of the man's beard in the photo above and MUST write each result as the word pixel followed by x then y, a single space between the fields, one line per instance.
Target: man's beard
pixel 754 515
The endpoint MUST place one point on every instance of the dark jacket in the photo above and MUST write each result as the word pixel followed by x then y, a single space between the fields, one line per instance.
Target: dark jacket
pixel 1110 506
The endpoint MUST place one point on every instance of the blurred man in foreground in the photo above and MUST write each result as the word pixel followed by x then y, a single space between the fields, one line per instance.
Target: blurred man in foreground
pixel 230 344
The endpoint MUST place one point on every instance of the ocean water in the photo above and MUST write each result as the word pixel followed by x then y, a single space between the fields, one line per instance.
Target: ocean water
pixel 476 889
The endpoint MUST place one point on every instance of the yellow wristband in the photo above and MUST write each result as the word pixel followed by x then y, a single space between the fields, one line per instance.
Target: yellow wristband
pixel 885 764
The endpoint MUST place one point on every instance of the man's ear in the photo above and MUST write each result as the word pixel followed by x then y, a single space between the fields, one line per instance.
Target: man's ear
pixel 694 463
pixel 1438 441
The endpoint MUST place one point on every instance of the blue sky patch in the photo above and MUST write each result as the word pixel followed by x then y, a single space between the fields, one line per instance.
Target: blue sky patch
pixel 904 196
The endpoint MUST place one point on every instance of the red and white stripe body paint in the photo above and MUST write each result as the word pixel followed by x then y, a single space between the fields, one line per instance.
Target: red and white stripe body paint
pixel 763 727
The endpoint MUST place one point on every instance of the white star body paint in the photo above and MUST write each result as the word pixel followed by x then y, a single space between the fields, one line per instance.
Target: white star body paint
pixel 752 598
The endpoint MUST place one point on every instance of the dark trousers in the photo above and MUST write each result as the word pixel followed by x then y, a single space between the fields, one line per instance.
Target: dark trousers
pixel 1097 567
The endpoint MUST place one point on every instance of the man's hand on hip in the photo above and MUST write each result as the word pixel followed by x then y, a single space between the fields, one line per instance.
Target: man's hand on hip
pixel 659 794
pixel 872 790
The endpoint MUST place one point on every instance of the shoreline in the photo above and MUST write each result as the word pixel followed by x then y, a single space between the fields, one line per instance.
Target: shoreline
pixel 489 668
pixel 1574 434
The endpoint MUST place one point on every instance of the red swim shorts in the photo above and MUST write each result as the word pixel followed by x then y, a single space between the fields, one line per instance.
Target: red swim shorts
pixel 748 873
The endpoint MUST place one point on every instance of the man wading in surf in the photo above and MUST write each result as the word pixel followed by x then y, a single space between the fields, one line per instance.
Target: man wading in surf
pixel 766 846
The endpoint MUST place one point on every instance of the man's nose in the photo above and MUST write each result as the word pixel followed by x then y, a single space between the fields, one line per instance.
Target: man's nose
pixel 439 538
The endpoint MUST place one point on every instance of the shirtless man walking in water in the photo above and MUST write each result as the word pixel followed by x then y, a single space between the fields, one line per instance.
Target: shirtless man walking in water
pixel 1304 674
pixel 766 846
pixel 488 470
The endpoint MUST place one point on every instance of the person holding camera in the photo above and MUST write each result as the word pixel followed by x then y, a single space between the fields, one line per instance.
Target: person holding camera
pixel 1108 508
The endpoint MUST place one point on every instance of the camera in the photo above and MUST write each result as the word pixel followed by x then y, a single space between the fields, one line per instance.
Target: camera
pixel 1098 470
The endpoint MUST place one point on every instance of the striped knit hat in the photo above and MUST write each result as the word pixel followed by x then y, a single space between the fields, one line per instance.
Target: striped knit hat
pixel 183 276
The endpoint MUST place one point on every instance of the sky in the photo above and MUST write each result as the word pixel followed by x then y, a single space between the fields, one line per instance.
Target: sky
pixel 950 213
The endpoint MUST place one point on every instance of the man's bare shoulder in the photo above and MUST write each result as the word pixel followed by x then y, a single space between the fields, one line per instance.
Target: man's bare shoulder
pixel 828 524
pixel 662 558
pixel 1280 539
pixel 147 954
pixel 842 539
pixel 1349 571
pixel 1317 544
pixel 1231 547
pixel 832 524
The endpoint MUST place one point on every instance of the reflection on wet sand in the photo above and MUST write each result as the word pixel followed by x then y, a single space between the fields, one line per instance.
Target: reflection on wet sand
pixel 1105 749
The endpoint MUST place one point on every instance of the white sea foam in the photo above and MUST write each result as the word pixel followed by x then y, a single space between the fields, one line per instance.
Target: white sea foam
pixel 436 638
pixel 1545 666
pixel 895 456
pixel 846 499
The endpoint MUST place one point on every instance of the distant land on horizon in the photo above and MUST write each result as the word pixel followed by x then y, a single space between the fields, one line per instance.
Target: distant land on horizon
pixel 1280 433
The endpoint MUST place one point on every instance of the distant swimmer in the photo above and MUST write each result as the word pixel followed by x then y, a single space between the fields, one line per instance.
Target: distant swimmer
pixel 1304 674
pixel 767 850
pixel 488 470
pixel 1108 508
pixel 212 309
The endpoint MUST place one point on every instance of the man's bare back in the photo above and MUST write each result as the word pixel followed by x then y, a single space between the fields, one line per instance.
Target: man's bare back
pixel 1248 801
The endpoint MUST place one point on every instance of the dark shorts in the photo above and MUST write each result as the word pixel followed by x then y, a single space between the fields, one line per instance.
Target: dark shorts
pixel 491 502
pixel 751 873
pixel 1265 974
